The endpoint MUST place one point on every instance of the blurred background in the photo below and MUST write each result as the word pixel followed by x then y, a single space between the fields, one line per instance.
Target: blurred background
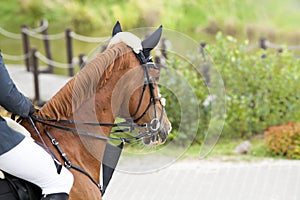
pixel 254 45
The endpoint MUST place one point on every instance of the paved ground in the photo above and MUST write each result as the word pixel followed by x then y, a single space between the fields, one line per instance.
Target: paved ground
pixel 49 83
pixel 211 180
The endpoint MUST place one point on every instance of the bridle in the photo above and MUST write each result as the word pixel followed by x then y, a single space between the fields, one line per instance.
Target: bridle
pixel 148 81
pixel 151 128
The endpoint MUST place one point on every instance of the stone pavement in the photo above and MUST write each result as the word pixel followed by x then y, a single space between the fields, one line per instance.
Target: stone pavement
pixel 211 180
pixel 49 83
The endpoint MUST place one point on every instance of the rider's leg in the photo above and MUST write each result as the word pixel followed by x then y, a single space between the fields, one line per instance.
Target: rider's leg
pixel 31 162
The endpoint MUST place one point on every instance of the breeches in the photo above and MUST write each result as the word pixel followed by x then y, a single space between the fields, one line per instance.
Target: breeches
pixel 23 158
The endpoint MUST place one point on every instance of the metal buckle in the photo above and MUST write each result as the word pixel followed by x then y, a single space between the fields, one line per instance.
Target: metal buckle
pixel 154 124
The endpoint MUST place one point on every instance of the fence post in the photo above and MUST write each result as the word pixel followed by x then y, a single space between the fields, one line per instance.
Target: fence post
pixel 164 48
pixel 25 39
pixel 263 43
pixel 202 46
pixel 81 58
pixel 69 51
pixel 205 65
pixel 47 48
pixel 35 72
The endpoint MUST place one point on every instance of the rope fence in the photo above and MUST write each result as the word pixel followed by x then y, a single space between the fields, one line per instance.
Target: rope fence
pixel 32 56
pixel 88 39
pixel 10 34
pixel 44 59
pixel 43 36
pixel 265 44
pixel 41 33
pixel 15 57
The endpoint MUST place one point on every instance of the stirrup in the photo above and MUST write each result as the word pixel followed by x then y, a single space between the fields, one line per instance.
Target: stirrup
pixel 56 196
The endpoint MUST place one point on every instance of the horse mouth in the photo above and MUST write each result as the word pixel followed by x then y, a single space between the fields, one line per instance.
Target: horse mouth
pixel 159 137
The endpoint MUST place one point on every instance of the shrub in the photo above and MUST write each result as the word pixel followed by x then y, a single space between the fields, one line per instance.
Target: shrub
pixel 261 92
pixel 185 91
pixel 284 140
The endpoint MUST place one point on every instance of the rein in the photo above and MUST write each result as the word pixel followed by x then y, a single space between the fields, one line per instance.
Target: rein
pixel 49 122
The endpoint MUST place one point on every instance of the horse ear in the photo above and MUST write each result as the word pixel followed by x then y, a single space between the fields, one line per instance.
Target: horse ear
pixel 150 42
pixel 117 28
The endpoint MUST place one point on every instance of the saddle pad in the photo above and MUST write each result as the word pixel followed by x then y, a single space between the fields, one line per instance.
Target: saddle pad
pixel 17 127
pixel 1 175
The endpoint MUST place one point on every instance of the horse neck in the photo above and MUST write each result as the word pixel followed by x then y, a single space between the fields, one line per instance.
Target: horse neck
pixel 87 98
pixel 95 82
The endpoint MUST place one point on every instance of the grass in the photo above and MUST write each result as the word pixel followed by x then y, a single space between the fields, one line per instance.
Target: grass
pixel 222 151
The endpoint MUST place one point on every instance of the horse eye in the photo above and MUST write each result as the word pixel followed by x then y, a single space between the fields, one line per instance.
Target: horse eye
pixel 156 79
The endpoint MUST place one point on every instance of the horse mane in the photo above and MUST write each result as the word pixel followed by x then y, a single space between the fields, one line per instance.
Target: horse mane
pixel 84 85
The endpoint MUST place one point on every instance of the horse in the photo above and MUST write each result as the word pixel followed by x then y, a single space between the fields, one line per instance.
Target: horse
pixel 120 82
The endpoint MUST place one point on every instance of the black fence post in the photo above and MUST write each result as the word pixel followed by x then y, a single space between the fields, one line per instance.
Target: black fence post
pixel 69 51
pixel 35 71
pixel 164 48
pixel 206 64
pixel 263 45
pixel 25 39
pixel 81 58
pixel 47 48
pixel 202 46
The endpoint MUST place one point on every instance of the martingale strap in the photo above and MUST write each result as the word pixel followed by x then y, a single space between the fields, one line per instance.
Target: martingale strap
pixel 68 163
pixel 109 163
pixel 111 153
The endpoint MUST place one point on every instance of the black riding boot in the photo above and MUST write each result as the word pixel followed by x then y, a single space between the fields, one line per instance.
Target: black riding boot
pixel 57 196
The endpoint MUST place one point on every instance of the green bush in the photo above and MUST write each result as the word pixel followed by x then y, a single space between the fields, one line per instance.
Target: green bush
pixel 185 91
pixel 262 90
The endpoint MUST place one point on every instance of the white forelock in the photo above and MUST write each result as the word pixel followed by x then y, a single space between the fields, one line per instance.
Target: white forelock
pixel 128 38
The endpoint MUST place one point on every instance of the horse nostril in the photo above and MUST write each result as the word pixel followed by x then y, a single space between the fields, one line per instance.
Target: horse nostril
pixel 163 136
pixel 154 138
pixel 146 140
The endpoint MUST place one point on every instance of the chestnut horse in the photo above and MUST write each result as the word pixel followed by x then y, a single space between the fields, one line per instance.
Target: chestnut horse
pixel 120 82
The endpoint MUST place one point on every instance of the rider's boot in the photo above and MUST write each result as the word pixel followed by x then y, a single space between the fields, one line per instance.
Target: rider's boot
pixel 31 162
pixel 57 196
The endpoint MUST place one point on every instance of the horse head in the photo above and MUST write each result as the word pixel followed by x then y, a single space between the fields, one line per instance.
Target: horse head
pixel 144 102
